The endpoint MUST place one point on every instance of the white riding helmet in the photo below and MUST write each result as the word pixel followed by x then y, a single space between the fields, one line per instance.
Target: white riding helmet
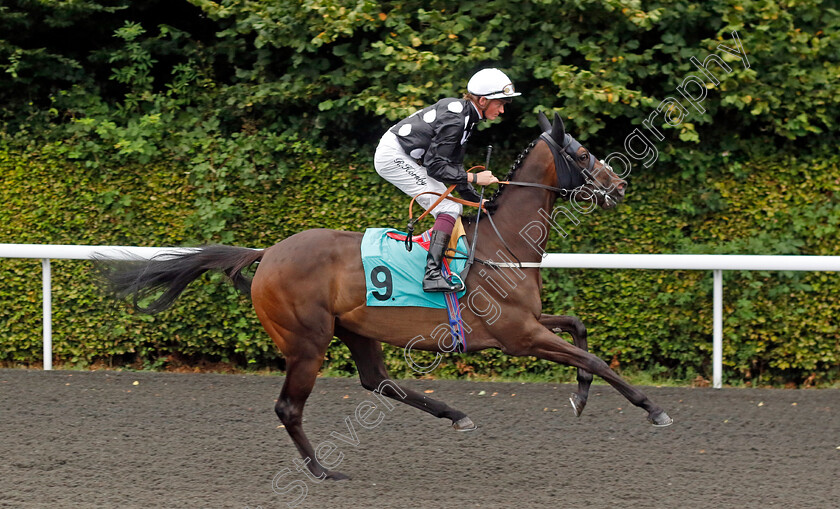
pixel 492 84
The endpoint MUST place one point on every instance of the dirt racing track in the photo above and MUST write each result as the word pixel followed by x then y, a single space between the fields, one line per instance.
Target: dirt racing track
pixel 140 440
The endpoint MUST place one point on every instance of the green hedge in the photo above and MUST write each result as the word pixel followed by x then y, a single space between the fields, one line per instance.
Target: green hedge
pixel 156 77
pixel 779 327
pixel 243 122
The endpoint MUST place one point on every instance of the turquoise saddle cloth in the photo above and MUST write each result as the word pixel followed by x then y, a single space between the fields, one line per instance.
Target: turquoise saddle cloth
pixel 394 276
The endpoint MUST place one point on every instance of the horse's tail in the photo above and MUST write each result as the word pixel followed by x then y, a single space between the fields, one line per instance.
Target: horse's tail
pixel 172 273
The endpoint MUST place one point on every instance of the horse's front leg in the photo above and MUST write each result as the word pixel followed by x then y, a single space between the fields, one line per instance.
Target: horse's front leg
pixel 575 328
pixel 539 342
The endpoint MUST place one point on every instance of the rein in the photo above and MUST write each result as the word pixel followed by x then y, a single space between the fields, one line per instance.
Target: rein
pixel 442 196
pixel 556 149
pixel 571 145
pixel 560 153
pixel 562 191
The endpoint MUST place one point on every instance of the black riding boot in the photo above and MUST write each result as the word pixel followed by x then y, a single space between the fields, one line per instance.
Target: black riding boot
pixel 434 281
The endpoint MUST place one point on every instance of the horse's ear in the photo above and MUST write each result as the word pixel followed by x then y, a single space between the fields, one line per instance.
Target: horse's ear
pixel 558 130
pixel 544 123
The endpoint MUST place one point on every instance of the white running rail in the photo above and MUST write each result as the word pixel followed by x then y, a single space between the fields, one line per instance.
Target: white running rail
pixel 67 252
pixel 716 263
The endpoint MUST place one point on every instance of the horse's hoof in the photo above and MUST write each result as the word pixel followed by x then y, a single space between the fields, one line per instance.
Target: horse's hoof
pixel 464 424
pixel 661 419
pixel 577 403
pixel 336 476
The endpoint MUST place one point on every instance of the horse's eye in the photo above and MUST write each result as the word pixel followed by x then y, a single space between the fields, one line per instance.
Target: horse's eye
pixel 583 157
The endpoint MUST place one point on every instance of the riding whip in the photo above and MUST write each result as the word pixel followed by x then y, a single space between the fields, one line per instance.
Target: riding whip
pixel 471 258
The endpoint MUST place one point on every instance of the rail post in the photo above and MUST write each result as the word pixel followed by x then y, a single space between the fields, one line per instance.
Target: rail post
pixel 717 339
pixel 47 298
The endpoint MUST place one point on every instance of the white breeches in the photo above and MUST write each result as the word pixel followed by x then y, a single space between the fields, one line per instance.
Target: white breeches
pixel 397 167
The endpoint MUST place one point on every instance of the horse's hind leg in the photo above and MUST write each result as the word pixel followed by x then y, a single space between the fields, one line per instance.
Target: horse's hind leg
pixel 304 356
pixel 577 330
pixel 367 353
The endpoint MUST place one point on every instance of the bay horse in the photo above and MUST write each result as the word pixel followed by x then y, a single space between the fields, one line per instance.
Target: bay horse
pixel 311 286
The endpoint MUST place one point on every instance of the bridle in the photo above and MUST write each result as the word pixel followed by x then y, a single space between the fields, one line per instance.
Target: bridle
pixel 564 165
pixel 562 192
pixel 566 155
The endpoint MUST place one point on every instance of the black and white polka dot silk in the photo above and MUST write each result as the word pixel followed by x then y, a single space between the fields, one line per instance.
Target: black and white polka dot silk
pixel 436 136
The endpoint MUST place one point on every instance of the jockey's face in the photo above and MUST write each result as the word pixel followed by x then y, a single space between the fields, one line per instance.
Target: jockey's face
pixel 493 107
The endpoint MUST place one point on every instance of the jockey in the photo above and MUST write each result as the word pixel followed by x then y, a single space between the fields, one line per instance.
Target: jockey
pixel 425 152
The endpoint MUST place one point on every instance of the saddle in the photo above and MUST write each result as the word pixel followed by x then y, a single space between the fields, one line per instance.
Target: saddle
pixel 393 275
